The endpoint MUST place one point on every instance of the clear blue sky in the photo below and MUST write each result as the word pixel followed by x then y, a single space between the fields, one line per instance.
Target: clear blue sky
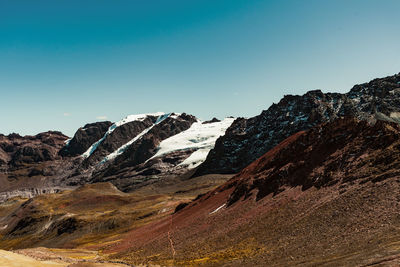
pixel 66 63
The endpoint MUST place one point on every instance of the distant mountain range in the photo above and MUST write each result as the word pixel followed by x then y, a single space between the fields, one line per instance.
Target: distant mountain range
pixel 141 149
pixel 135 151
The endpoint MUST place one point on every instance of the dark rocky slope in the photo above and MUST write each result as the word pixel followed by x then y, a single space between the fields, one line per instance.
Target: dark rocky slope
pixel 343 151
pixel 84 138
pixel 122 155
pixel 131 167
pixel 118 137
pixel 31 165
pixel 248 139
pixel 17 151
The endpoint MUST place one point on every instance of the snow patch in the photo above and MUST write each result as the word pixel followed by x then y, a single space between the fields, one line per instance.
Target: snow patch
pixel 93 147
pixel 127 119
pixel 176 115
pixel 122 148
pixel 217 209
pixel 196 158
pixel 47 225
pixel 200 137
pixel 66 142
pixel 137 117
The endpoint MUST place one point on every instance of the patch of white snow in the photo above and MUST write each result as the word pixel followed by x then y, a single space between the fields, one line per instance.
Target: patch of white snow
pixel 66 142
pixel 127 119
pixel 196 158
pixel 217 209
pixel 122 148
pixel 200 137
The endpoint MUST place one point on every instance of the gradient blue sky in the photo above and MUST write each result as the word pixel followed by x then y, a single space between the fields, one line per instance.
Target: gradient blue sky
pixel 66 63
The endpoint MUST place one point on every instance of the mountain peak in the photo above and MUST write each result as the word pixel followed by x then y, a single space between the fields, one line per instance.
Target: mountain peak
pixel 248 139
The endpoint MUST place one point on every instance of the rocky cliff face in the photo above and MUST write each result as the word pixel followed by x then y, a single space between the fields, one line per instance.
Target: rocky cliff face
pixel 341 151
pixel 17 151
pixel 248 139
pixel 379 99
pixel 145 148
pixel 84 138
pixel 31 165
pixel 125 164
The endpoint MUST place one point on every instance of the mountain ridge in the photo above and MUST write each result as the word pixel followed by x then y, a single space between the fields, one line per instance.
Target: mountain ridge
pixel 326 192
pixel 248 139
pixel 330 208
pixel 106 151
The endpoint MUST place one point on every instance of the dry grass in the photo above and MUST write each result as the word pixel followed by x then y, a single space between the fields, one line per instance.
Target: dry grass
pixel 101 213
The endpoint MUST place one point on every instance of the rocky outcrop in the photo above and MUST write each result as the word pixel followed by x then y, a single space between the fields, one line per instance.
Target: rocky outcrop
pixel 248 139
pixel 31 165
pixel 16 151
pixel 377 99
pixel 118 137
pixel 28 192
pixel 84 138
pixel 146 147
pixel 341 151
pixel 212 120
pixel 131 166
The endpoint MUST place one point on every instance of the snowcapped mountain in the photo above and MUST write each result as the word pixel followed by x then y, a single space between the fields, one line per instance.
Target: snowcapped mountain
pixel 144 148
pixel 147 147
pixel 129 119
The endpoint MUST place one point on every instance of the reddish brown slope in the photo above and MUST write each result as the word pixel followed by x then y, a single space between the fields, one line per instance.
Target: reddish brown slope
pixel 327 196
pixel 331 153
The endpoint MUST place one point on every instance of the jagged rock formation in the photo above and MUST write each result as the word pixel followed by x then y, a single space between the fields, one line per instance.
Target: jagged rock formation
pixel 248 139
pixel 84 138
pixel 17 151
pixel 147 148
pixel 125 167
pixel 144 148
pixel 341 151
pixel 31 165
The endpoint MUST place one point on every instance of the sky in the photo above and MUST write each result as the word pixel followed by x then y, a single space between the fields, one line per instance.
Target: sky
pixel 67 63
